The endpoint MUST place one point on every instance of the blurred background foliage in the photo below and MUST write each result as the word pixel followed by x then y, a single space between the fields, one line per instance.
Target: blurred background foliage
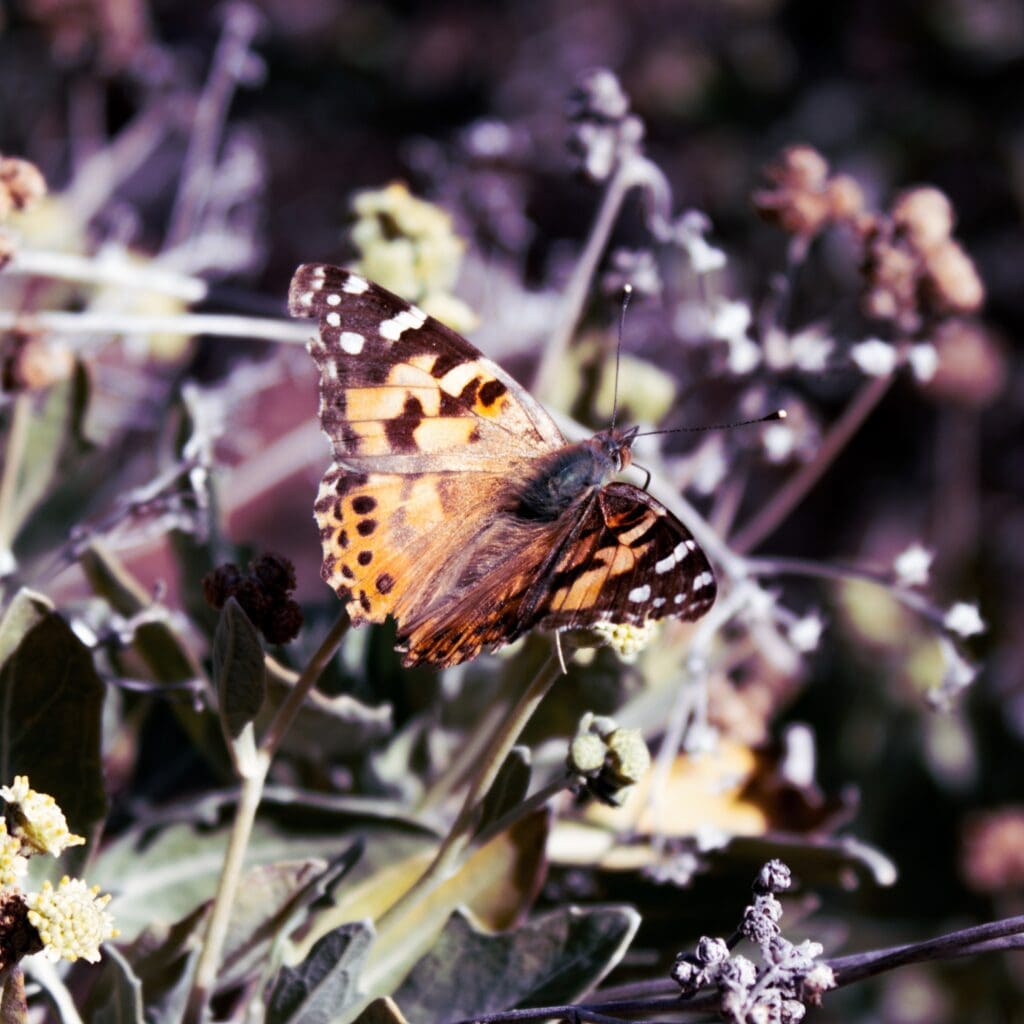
pixel 465 103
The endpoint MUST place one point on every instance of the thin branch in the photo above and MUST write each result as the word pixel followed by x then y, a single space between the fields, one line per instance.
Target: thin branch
pixel 189 324
pixel 797 487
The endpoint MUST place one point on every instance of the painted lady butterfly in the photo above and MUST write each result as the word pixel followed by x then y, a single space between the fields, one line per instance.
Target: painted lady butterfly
pixel 455 504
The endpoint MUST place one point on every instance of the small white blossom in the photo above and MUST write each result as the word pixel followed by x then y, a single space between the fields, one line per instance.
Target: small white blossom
pixel 874 357
pixel 779 441
pixel 810 348
pixel 744 356
pixel 13 866
pixel 913 566
pixel 730 319
pixel 957 675
pixel 924 361
pixel 690 230
pixel 805 633
pixel 964 620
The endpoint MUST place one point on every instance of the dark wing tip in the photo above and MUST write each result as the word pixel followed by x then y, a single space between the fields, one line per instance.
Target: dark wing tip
pixel 306 281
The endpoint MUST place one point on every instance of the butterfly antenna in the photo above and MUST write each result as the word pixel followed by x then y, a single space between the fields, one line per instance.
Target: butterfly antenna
pixel 627 294
pixel 779 414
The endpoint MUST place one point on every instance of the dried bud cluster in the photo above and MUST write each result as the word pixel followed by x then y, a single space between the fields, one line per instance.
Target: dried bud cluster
pixel 609 761
pixel 263 592
pixel 21 184
pixel 803 199
pixel 30 362
pixel 790 979
pixel 603 130
pixel 993 857
pixel 913 268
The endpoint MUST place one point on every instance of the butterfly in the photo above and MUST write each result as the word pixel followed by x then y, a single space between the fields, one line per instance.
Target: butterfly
pixel 454 503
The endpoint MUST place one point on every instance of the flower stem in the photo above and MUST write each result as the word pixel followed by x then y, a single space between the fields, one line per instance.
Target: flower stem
pixel 254 775
pixel 501 742
pixel 796 488
pixel 14 453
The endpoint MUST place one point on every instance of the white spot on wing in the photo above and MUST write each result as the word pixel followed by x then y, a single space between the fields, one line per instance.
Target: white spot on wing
pixel 705 579
pixel 334 299
pixel 666 563
pixel 355 285
pixel 679 598
pixel 334 319
pixel 658 602
pixel 351 342
pixel 408 320
pixel 640 593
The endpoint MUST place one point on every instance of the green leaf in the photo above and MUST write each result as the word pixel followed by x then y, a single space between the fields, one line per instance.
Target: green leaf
pixel 117 998
pixel 27 609
pixel 325 983
pixel 238 668
pixel 52 701
pixel 509 788
pixel 553 959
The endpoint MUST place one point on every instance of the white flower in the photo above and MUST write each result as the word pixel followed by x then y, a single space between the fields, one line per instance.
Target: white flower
pixel 924 361
pixel 13 866
pixel 730 320
pixel 744 356
pixel 874 357
pixel 690 230
pixel 810 348
pixel 71 920
pixel 626 639
pixel 805 633
pixel 38 822
pixel 964 620
pixel 779 442
pixel 913 565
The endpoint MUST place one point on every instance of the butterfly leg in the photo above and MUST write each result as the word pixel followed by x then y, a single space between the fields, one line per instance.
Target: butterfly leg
pixel 647 476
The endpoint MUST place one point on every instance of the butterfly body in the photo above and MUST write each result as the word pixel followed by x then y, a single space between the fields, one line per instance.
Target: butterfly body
pixel 456 506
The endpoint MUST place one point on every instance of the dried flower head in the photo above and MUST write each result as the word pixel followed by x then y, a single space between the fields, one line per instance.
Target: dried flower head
pixel 993 851
pixel 29 362
pixel 802 199
pixel 37 821
pixel 913 268
pixel 971 368
pixel 71 920
pixel 21 184
pixel 264 594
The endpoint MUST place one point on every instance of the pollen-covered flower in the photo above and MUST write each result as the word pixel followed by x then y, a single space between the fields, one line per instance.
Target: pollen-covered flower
pixel 38 822
pixel 409 246
pixel 71 920
pixel 12 864
pixel 626 639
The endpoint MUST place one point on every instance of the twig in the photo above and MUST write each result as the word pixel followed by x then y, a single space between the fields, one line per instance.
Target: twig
pixel 256 328
pixel 108 270
pixel 17 435
pixel 796 488
pixel 254 773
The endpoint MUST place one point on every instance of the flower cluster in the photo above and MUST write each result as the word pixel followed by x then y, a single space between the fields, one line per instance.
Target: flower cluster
pixel 803 198
pixel 790 979
pixel 68 922
pixel 609 761
pixel 626 639
pixel 603 130
pixel 409 246
pixel 264 593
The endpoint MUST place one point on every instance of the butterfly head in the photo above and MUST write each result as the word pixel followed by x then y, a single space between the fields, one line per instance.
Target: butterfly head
pixel 616 446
